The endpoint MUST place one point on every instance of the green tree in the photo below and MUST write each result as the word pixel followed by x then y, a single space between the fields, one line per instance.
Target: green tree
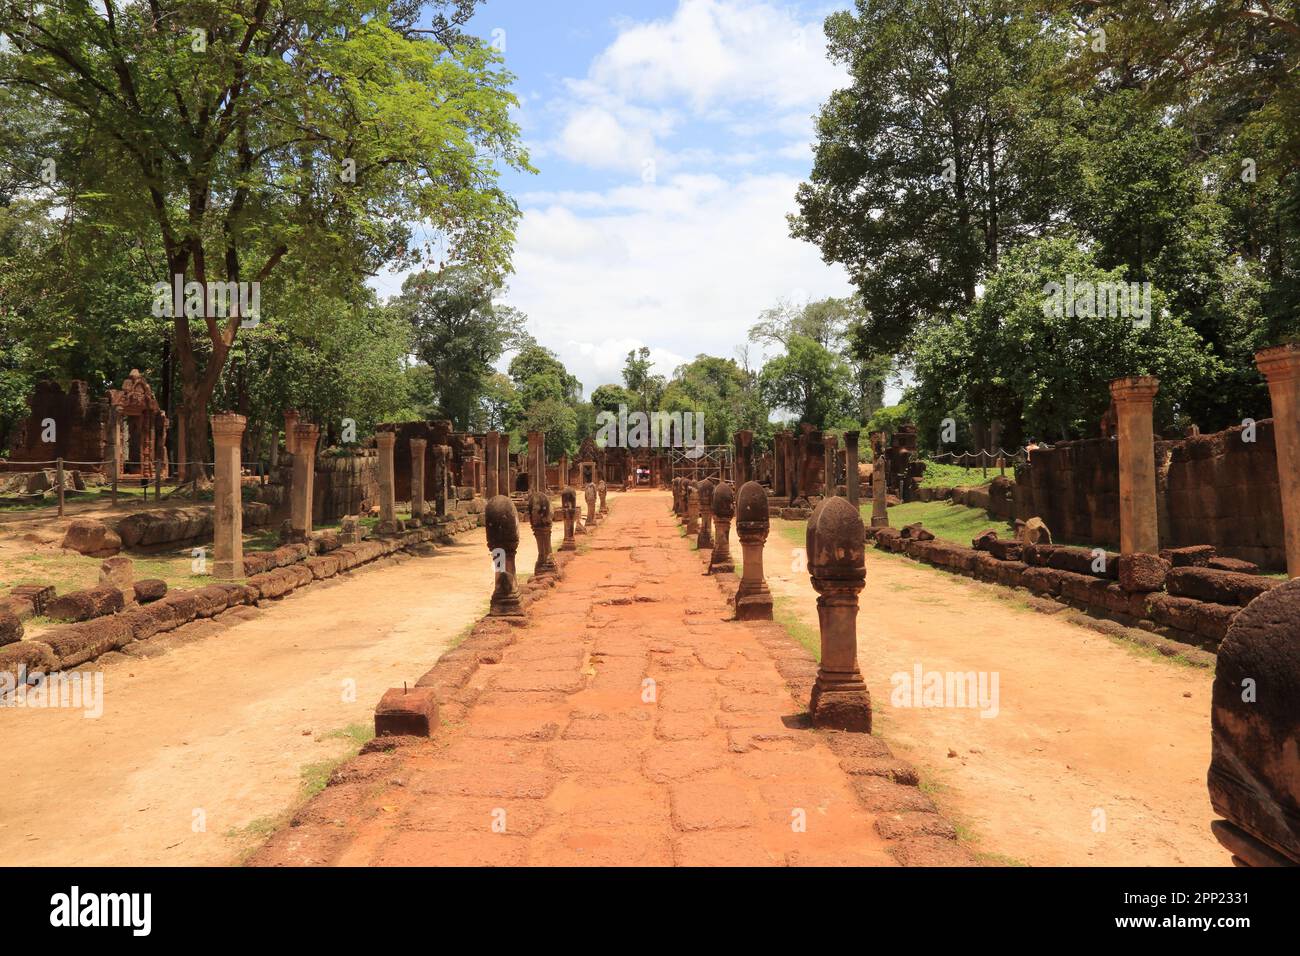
pixel 809 380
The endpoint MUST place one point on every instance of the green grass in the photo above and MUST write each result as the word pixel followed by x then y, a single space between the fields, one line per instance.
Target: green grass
pixel 806 634
pixel 955 523
pixel 942 475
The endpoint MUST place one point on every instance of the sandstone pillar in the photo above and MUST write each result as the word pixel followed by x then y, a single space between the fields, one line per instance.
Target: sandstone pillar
pixel 704 536
pixel 603 489
pixel 304 476
pixel 836 543
pixel 290 437
pixel 753 599
pixel 505 481
pixel 502 525
pixel 1281 367
pixel 744 471
pixel 1138 526
pixel 536 462
pixel 830 480
pixel 879 495
pixel 492 465
pixel 590 495
pixel 539 516
pixel 385 441
pixel 778 463
pixel 724 508
pixel 569 507
pixel 441 465
pixel 227 498
pixel 419 446
pixel 692 508
pixel 851 467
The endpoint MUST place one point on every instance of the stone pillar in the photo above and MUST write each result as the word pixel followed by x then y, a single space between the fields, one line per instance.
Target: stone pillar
pixel 830 480
pixel 879 495
pixel 304 475
pixel 227 499
pixel 536 455
pixel 385 441
pixel 836 564
pixel 753 599
pixel 419 446
pixel 569 508
pixel 539 516
pixel 505 481
pixel 590 495
pixel 724 508
pixel 441 465
pixel 290 436
pixel 744 441
pixel 492 466
pixel 1138 526
pixel 778 464
pixel 602 489
pixel 692 508
pixel 1281 367
pixel 704 536
pixel 851 468
pixel 502 524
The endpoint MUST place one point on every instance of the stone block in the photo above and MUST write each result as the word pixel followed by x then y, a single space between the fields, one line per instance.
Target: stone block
pixel 407 712
pixel 1140 572
pixel 86 604
pixel 1218 587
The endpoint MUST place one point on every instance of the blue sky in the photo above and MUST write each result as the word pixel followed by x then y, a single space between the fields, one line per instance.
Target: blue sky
pixel 669 136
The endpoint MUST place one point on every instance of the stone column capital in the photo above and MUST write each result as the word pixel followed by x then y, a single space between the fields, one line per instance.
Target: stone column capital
pixel 227 428
pixel 306 432
pixel 1281 363
pixel 1134 389
pixel 419 445
pixel 385 439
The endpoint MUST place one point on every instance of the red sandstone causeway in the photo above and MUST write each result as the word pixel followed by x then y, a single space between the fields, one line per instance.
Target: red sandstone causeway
pixel 626 720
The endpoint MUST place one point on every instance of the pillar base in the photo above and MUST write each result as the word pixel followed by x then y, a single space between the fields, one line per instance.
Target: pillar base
pixel 226 570
pixel 880 522
pixel 754 607
pixel 721 564
pixel 506 607
pixel 568 545
pixel 841 705
pixel 703 541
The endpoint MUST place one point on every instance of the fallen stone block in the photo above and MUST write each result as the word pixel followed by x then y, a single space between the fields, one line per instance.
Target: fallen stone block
pixel 1176 612
pixel 323 566
pixel 75 644
pixel 22 659
pixel 1037 555
pixel 1084 561
pixel 1042 580
pixel 981 541
pixel 90 537
pixel 1233 564
pixel 1213 621
pixel 1196 556
pixel 1004 550
pixel 1218 587
pixel 1140 572
pixel 406 712
pixel 184 605
pixel 1011 573
pixel 11 629
pixel 118 572
pixel 37 595
pixel 211 600
pixel 150 589
pixel 85 604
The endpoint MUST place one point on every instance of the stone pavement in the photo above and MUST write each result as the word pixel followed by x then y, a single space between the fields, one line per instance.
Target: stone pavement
pixel 629 721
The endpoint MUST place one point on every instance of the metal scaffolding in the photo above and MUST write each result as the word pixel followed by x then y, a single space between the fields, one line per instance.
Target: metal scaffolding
pixel 701 461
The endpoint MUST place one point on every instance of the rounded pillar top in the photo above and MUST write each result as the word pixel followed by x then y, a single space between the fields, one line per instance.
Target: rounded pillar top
pixel 706 494
pixel 1281 363
pixel 1134 388
pixel 589 492
pixel 539 509
pixel 836 542
pixel 227 427
pixel 502 523
pixel 386 439
pixel 601 486
pixel 752 517
pixel 569 498
pixel 724 501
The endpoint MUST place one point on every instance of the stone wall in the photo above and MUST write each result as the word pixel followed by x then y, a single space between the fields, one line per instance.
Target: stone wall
pixel 81 427
pixel 343 482
pixel 1074 488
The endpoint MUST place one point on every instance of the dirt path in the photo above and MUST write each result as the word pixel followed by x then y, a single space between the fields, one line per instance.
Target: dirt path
pixel 564 753
pixel 1097 755
pixel 225 725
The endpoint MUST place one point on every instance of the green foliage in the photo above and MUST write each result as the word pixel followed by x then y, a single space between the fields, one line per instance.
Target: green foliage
pixel 808 379
pixel 725 394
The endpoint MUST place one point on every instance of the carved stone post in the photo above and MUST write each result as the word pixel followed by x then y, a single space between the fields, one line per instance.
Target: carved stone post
pixel 744 442
pixel 879 495
pixel 1138 527
pixel 851 467
pixel 779 441
pixel 505 485
pixel 502 524
pixel 603 489
pixel 492 465
pixel 387 488
pixel 304 475
pixel 753 599
pixel 704 536
pixel 539 516
pixel 536 461
pixel 569 508
pixel 692 508
pixel 836 564
pixel 830 480
pixel 290 436
pixel 724 508
pixel 1281 367
pixel 418 448
pixel 227 497
pixel 590 495
pixel 441 466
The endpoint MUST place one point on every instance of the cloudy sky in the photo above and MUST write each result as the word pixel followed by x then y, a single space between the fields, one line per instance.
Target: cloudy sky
pixel 669 136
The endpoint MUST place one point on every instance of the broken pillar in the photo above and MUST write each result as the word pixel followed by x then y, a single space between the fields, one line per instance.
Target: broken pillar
pixel 1134 400
pixel 836 542
pixel 385 441
pixel 851 468
pixel 569 508
pixel 1281 367
pixel 724 508
pixel 419 448
pixel 502 524
pixel 304 477
pixel 227 496
pixel 539 516
pixel 753 599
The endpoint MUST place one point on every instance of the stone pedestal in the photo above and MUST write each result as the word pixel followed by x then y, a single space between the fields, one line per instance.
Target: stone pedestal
pixel 569 508
pixel 539 516
pixel 385 441
pixel 836 542
pixel 589 494
pixel 492 466
pixel 602 489
pixel 304 477
pixel 1281 367
pixel 419 447
pixel 851 468
pixel 502 525
pixel 724 508
pixel 879 495
pixel 753 599
pixel 692 508
pixel 1138 523
pixel 227 499
pixel 704 536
